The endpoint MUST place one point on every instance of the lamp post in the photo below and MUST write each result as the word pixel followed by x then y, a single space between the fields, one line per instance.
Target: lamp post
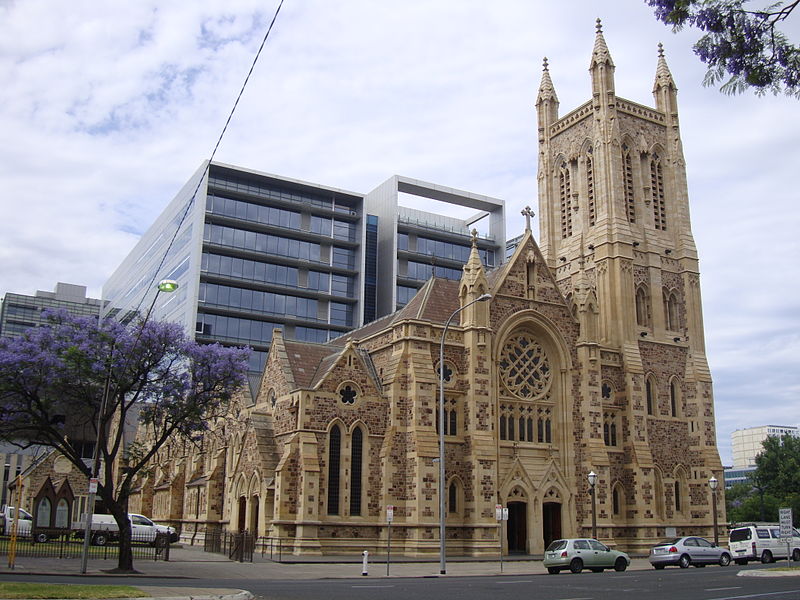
pixel 167 286
pixel 713 483
pixel 592 477
pixel 442 513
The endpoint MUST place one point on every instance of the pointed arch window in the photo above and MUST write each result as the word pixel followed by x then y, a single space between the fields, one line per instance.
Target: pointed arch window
pixel 452 498
pixel 674 398
pixel 565 195
pixel 356 470
pixel 677 486
pixel 610 428
pixel 657 190
pixel 671 311
pixel 617 500
pixel 62 514
pixel 590 187
pixel 43 513
pixel 658 482
pixel 649 393
pixel 334 465
pixel 643 313
pixel 627 184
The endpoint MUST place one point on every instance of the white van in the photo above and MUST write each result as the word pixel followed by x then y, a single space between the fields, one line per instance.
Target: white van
pixel 762 541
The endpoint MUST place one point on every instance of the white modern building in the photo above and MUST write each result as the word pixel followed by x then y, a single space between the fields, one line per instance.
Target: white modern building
pixel 747 443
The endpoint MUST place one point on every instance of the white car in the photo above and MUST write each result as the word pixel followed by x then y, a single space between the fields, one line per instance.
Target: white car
pixel 762 541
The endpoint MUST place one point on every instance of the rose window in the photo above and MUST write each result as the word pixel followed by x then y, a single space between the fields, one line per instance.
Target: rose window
pixel 524 367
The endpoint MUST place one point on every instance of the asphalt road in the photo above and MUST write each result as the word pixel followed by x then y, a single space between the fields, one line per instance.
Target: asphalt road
pixel 711 583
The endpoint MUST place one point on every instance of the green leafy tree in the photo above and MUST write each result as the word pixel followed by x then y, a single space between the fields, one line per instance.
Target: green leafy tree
pixel 77 376
pixel 744 502
pixel 778 471
pixel 743 48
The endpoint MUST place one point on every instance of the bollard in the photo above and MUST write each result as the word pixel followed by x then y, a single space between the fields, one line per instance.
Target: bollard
pixel 365 554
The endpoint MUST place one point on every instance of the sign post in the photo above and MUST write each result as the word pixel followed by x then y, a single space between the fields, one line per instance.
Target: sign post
pixel 786 531
pixel 389 519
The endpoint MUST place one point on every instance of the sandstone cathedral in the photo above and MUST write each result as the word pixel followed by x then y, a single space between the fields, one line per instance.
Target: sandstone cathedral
pixel 589 356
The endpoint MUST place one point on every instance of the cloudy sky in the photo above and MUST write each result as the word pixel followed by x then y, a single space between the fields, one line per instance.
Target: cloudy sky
pixel 106 108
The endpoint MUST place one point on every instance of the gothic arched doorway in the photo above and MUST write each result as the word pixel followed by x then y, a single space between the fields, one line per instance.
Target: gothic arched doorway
pixel 551 522
pixel 242 521
pixel 517 527
pixel 254 515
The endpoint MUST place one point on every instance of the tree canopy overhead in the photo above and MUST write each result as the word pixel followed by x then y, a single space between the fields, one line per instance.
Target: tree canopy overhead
pixel 742 45
pixel 53 381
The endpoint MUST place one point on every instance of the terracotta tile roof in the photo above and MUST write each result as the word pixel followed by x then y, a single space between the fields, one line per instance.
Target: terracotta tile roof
pixel 305 358
pixel 441 301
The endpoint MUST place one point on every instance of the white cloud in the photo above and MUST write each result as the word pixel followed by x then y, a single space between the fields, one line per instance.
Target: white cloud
pixel 108 108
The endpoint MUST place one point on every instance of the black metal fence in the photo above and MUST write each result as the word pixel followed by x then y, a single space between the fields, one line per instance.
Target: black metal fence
pixel 236 546
pixel 61 543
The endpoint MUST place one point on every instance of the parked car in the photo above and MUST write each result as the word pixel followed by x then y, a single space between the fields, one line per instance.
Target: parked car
pixel 582 553
pixel 105 529
pixel 762 541
pixel 685 551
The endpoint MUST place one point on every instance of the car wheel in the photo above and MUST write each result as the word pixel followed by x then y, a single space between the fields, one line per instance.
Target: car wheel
pixel 553 570
pixel 796 555
pixel 684 561
pixel 741 561
pixel 620 565
pixel 658 567
pixel 41 538
pixel 576 566
pixel 766 557
pixel 724 560
pixel 100 539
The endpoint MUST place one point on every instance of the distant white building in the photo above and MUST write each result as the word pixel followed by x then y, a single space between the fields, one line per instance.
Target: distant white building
pixel 748 442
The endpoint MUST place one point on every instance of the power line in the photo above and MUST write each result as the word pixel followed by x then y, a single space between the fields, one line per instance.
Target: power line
pixel 150 286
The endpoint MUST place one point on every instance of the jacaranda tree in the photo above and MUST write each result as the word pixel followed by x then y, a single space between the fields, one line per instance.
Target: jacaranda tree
pixel 76 375
pixel 741 44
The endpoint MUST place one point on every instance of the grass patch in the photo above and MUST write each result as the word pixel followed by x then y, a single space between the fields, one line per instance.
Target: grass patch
pixel 49 590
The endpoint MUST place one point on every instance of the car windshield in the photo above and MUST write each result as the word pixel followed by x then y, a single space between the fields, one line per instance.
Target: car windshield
pixel 557 545
pixel 669 542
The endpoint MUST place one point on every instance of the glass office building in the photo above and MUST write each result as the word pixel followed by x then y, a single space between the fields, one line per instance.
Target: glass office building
pixel 253 252
pixel 19 312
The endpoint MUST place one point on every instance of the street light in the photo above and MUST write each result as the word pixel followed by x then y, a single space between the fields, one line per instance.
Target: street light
pixel 713 483
pixel 592 482
pixel 167 286
pixel 442 513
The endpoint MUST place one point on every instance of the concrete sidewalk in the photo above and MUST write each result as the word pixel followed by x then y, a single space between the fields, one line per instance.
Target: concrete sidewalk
pixel 193 563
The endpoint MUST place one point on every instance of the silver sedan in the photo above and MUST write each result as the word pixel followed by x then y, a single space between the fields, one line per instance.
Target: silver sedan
pixel 686 551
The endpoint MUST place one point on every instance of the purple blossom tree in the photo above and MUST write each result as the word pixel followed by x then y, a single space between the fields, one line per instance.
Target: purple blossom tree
pixel 75 379
pixel 741 44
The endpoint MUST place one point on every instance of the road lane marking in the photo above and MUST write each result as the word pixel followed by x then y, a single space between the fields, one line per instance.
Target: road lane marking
pixel 372 586
pixel 520 581
pixel 736 587
pixel 757 595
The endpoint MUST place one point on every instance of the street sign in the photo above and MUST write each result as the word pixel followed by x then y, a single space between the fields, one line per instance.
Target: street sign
pixel 505 514
pixel 389 513
pixel 786 522
pixel 93 485
pixel 498 512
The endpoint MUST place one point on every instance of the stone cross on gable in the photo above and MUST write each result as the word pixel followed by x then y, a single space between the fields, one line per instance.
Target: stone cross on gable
pixel 527 213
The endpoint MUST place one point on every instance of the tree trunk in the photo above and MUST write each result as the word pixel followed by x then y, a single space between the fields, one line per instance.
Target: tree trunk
pixel 125 563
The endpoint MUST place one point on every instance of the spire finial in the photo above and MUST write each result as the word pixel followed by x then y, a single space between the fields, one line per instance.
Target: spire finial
pixel 660 50
pixel 544 64
pixel 474 233
pixel 599 25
